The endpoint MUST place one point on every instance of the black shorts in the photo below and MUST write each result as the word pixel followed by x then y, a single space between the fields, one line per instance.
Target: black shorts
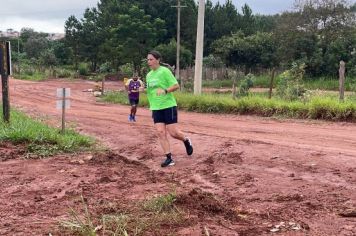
pixel 167 116
pixel 134 102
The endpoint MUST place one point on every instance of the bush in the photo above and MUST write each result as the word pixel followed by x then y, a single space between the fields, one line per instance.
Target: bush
pixel 64 73
pixel 105 68
pixel 83 69
pixel 290 87
pixel 245 85
pixel 127 69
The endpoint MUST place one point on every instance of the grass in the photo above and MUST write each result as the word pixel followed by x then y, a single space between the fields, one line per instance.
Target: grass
pixel 40 139
pixel 150 216
pixel 35 76
pixel 79 224
pixel 263 81
pixel 316 106
pixel 217 83
pixel 160 203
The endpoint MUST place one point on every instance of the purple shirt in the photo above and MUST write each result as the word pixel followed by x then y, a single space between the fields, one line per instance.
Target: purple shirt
pixel 134 85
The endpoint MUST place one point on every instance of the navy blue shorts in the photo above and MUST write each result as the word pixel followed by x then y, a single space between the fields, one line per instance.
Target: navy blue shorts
pixel 134 102
pixel 167 116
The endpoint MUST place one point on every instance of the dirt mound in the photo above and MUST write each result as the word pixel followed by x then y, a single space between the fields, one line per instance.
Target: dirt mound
pixel 204 203
pixel 11 151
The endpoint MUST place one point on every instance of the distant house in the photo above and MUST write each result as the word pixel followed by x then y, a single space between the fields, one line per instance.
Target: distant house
pixel 9 33
pixel 55 36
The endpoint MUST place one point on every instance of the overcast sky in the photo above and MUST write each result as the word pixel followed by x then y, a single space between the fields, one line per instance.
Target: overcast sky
pixel 50 15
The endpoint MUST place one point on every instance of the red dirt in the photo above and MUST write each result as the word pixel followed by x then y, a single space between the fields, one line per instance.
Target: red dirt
pixel 247 174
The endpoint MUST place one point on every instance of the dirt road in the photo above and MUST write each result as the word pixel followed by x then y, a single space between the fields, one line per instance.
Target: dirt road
pixel 294 177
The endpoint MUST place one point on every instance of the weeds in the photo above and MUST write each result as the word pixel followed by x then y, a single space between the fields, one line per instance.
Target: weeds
pixel 147 216
pixel 161 203
pixel 82 225
pixel 40 139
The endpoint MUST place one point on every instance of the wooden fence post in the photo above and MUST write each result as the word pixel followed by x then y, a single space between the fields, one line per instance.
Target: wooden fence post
pixel 5 70
pixel 271 83
pixel 103 86
pixel 342 80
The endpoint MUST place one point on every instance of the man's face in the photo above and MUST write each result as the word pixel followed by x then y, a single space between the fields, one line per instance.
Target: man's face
pixel 152 61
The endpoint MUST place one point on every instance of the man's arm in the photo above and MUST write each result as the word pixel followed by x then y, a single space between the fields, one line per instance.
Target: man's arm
pixel 142 86
pixel 127 86
pixel 167 90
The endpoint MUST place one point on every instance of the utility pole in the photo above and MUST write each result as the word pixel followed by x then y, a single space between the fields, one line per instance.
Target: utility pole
pixel 179 6
pixel 18 52
pixel 199 49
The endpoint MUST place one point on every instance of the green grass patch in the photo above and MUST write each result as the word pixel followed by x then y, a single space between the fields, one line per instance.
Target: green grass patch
pixel 317 107
pixel 160 203
pixel 217 83
pixel 33 76
pixel 260 81
pixel 263 81
pixel 40 139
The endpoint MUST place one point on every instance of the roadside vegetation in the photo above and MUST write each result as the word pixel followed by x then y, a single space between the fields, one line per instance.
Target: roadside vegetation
pixel 39 139
pixel 318 105
pixel 241 50
pixel 146 216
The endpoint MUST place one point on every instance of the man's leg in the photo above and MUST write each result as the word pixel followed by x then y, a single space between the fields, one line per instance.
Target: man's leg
pixel 133 111
pixel 177 134
pixel 163 139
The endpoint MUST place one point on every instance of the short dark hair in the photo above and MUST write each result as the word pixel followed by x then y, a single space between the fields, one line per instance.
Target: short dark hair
pixel 155 54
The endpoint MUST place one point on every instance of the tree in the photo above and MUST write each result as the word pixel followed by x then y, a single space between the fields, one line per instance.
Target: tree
pixel 265 23
pixel 27 33
pixel 35 46
pixel 169 54
pixel 257 50
pixel 136 34
pixel 48 59
pixel 247 20
pixel 91 37
pixel 61 51
pixel 72 38
pixel 222 20
pixel 308 34
pixel 327 18
pixel 163 9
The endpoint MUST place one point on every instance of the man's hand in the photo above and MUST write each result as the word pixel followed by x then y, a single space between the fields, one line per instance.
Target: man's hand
pixel 160 92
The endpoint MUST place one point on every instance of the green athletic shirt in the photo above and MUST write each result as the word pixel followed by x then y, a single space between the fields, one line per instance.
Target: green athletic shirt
pixel 162 78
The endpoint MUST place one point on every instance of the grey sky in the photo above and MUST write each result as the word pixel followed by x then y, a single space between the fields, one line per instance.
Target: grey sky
pixel 41 15
pixel 263 6
pixel 50 15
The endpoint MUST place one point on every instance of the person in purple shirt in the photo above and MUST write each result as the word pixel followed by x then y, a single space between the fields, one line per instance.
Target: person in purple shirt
pixel 133 87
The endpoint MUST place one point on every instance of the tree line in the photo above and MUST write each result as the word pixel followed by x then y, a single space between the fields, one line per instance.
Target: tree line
pixel 317 33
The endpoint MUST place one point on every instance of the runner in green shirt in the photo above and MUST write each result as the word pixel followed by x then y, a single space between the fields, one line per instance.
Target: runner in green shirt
pixel 160 85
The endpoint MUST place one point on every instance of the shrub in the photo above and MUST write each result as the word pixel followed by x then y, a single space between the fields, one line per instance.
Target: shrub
pixel 83 69
pixel 105 68
pixel 290 87
pixel 64 73
pixel 245 85
pixel 127 69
